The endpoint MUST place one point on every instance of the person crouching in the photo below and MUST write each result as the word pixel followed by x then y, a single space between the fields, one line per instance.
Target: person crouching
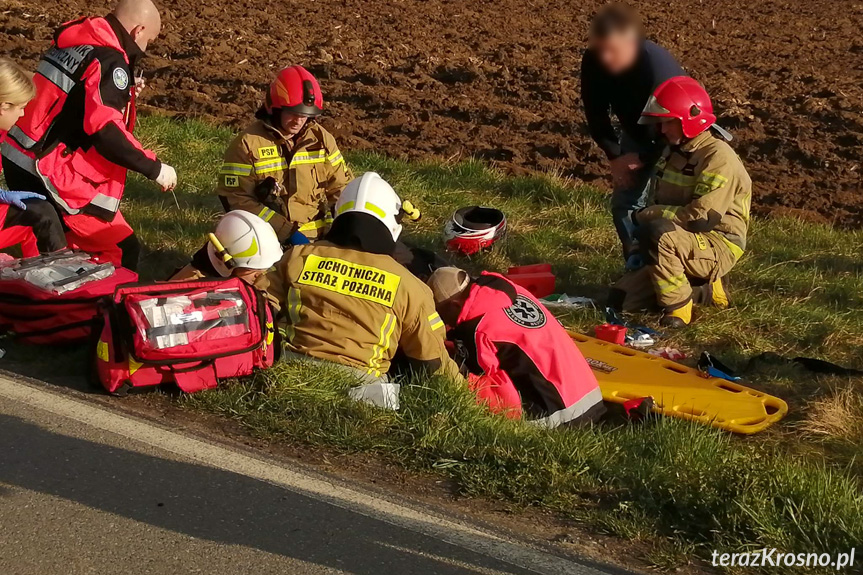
pixel 522 361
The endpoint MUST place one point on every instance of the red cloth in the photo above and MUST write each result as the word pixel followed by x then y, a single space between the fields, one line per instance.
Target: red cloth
pixel 98 237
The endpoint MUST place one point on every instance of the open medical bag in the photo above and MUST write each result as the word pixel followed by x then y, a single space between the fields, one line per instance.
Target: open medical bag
pixel 55 298
pixel 189 333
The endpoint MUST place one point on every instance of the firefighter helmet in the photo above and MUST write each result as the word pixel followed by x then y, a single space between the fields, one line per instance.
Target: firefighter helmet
pixel 473 229
pixel 685 99
pixel 297 91
pixel 371 194
pixel 243 240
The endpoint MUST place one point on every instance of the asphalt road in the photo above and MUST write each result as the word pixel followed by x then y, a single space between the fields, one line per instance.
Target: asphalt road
pixel 84 489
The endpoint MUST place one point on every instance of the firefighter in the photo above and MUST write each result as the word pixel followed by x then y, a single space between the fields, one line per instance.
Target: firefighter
pixel 619 71
pixel 242 245
pixel 74 143
pixel 344 299
pixel 695 229
pixel 521 360
pixel 25 217
pixel 285 167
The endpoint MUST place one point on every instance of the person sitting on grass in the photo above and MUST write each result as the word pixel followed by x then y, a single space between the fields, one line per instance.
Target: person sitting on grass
pixel 345 300
pixel 521 360
pixel 695 230
pixel 242 245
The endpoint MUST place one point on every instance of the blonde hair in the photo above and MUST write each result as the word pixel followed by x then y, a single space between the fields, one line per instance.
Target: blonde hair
pixel 16 85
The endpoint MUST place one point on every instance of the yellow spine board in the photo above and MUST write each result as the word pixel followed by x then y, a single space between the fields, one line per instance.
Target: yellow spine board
pixel 677 390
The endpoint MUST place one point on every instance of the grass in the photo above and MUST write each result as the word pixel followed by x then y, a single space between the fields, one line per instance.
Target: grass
pixel 680 489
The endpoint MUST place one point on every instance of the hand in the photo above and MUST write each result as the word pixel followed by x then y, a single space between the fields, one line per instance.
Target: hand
pixel 623 168
pixel 167 178
pixel 16 199
pixel 140 84
pixel 634 262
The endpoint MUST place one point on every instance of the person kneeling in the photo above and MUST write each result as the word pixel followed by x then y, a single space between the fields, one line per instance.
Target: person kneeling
pixel 242 245
pixel 344 299
pixel 522 360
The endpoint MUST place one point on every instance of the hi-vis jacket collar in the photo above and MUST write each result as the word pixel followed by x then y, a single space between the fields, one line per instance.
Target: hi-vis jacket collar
pixel 695 143
pixel 297 141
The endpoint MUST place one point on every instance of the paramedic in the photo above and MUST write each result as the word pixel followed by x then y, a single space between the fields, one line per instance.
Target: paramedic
pixel 74 143
pixel 521 360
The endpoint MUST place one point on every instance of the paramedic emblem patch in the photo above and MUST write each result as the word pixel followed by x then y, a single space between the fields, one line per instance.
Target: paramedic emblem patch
pixel 526 313
pixel 121 78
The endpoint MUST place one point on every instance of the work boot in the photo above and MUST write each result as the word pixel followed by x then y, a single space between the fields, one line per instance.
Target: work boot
pixel 715 295
pixel 680 316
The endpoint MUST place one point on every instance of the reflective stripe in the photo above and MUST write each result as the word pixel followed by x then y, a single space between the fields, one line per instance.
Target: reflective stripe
pixel 336 158
pixel 295 305
pixel 345 207
pixel 266 214
pixel 19 136
pixel 316 224
pixel 435 321
pixel 375 210
pixel 106 203
pixel 678 179
pixel 269 166
pixel 671 284
pixel 302 158
pixel 670 212
pixel 236 169
pixel 715 181
pixel 736 250
pixel 56 76
pixel 574 411
pixel 18 158
pixel 387 328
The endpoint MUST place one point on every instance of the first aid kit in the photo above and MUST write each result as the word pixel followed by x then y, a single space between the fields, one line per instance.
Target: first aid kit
pixel 189 333
pixel 55 298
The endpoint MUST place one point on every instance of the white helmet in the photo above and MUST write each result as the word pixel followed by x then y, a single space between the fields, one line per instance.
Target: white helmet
pixel 370 194
pixel 243 240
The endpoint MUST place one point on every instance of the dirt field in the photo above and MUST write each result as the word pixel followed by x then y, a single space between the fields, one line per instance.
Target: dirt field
pixel 499 80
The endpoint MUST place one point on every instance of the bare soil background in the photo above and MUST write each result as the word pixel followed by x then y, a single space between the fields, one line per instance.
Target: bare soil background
pixel 499 79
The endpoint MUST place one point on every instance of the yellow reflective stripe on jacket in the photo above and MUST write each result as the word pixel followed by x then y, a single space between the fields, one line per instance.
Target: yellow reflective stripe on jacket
pixel 269 166
pixel 231 169
pixel 677 178
pixel 670 212
pixel 671 284
pixel 335 158
pixel 316 224
pixel 266 214
pixel 736 250
pixel 295 305
pixel 435 321
pixel 708 182
pixel 302 158
pixel 387 328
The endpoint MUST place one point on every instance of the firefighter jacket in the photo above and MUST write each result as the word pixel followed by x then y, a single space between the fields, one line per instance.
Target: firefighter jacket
pixel 357 308
pixel 703 187
pixel 308 174
pixel 76 135
pixel 528 363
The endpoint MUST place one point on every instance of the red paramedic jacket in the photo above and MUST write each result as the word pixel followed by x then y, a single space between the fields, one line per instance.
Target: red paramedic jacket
pixel 76 135
pixel 527 362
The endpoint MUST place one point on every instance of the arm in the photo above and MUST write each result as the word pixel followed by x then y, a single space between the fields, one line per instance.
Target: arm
pixel 597 108
pixel 238 183
pixel 338 172
pixel 105 101
pixel 714 194
pixel 422 339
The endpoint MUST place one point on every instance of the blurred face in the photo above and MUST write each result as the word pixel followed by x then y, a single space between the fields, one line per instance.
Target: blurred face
pixel 9 114
pixel 618 52
pixel 292 123
pixel 672 130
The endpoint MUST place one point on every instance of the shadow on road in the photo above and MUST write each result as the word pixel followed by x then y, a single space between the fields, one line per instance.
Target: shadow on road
pixel 221 506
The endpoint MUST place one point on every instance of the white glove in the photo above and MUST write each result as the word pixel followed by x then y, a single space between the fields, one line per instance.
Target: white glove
pixel 167 178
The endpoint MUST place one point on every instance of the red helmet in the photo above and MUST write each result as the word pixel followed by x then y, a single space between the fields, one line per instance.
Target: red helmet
pixel 296 91
pixel 683 98
pixel 473 229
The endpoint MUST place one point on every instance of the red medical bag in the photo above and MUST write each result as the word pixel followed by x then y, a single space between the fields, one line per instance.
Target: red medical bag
pixel 55 299
pixel 189 333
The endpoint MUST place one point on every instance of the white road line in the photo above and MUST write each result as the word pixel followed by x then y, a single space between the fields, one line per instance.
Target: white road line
pixel 450 531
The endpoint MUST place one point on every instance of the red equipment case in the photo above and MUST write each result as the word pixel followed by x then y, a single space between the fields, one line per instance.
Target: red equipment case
pixel 189 333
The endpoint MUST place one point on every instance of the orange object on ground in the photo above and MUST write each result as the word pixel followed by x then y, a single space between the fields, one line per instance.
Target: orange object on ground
pixel 537 279
pixel 611 333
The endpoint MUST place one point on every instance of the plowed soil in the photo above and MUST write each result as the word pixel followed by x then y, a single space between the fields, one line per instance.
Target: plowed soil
pixel 499 79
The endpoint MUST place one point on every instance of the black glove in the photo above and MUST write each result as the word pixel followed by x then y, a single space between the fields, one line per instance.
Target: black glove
pixel 266 192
